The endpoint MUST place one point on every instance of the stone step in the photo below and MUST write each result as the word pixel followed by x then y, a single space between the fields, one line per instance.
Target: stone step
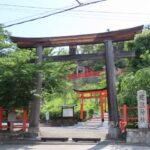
pixel 62 139
pixel 86 139
pixel 94 123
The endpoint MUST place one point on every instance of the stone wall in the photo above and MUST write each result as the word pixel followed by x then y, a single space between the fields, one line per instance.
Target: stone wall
pixel 63 122
pixel 7 135
pixel 141 136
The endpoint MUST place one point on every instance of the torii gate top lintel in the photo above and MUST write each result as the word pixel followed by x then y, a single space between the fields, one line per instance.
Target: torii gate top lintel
pixel 115 36
pixel 93 93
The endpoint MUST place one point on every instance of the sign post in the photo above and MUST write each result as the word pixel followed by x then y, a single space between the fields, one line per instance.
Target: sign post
pixel 47 116
pixel 142 109
pixel 11 118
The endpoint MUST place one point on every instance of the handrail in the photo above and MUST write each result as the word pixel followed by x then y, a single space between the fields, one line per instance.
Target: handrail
pixel 126 119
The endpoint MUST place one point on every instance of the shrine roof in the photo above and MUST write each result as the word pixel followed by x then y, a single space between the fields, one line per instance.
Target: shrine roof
pixel 96 38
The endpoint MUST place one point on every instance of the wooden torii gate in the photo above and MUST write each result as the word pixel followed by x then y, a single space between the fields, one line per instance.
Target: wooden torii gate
pixel 72 41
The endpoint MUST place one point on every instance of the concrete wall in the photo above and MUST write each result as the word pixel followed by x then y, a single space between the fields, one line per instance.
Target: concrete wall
pixel 138 136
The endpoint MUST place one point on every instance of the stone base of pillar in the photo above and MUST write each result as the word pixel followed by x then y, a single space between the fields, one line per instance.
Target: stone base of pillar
pixel 33 132
pixel 113 131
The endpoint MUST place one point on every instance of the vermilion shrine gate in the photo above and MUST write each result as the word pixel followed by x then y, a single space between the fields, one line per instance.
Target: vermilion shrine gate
pixel 99 94
pixel 72 41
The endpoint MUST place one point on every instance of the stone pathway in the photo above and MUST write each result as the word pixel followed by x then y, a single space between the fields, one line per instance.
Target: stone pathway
pixel 57 146
pixel 92 128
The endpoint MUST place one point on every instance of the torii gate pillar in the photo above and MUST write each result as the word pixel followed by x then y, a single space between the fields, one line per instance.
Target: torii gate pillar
pixel 113 130
pixel 35 103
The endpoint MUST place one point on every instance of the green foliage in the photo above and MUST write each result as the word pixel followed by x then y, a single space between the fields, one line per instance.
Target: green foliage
pixel 141 45
pixel 57 91
pixel 4 41
pixel 16 75
pixel 91 48
pixel 16 79
pixel 131 83
pixel 53 106
pixel 53 101
pixel 139 76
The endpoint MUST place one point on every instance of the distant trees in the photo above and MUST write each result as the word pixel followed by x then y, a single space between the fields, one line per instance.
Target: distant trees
pixel 132 82
pixel 4 41
pixel 138 75
pixel 16 74
pixel 16 79
pixel 141 45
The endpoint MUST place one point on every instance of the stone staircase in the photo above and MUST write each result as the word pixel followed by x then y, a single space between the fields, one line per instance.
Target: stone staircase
pixel 94 123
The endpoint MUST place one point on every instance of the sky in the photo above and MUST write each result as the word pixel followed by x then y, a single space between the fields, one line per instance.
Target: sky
pixel 95 18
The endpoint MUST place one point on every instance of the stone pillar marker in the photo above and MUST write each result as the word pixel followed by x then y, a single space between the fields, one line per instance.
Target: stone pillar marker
pixel 142 109
pixel 142 134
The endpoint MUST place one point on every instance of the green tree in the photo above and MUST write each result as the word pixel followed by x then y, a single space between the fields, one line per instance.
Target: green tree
pixel 16 79
pixel 5 43
pixel 15 74
pixel 132 82
pixel 138 72
pixel 141 45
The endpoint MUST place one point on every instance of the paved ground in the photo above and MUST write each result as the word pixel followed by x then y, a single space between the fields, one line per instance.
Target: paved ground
pixel 93 128
pixel 73 147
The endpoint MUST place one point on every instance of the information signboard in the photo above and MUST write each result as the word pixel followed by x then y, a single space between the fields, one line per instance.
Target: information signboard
pixel 68 112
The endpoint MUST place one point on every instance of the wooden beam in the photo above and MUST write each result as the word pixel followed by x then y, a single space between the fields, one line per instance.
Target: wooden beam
pixel 72 50
pixel 115 36
pixel 74 57
pixel 124 54
pixel 94 56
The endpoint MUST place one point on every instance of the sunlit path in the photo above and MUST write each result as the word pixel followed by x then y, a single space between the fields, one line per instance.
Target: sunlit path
pixel 92 128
